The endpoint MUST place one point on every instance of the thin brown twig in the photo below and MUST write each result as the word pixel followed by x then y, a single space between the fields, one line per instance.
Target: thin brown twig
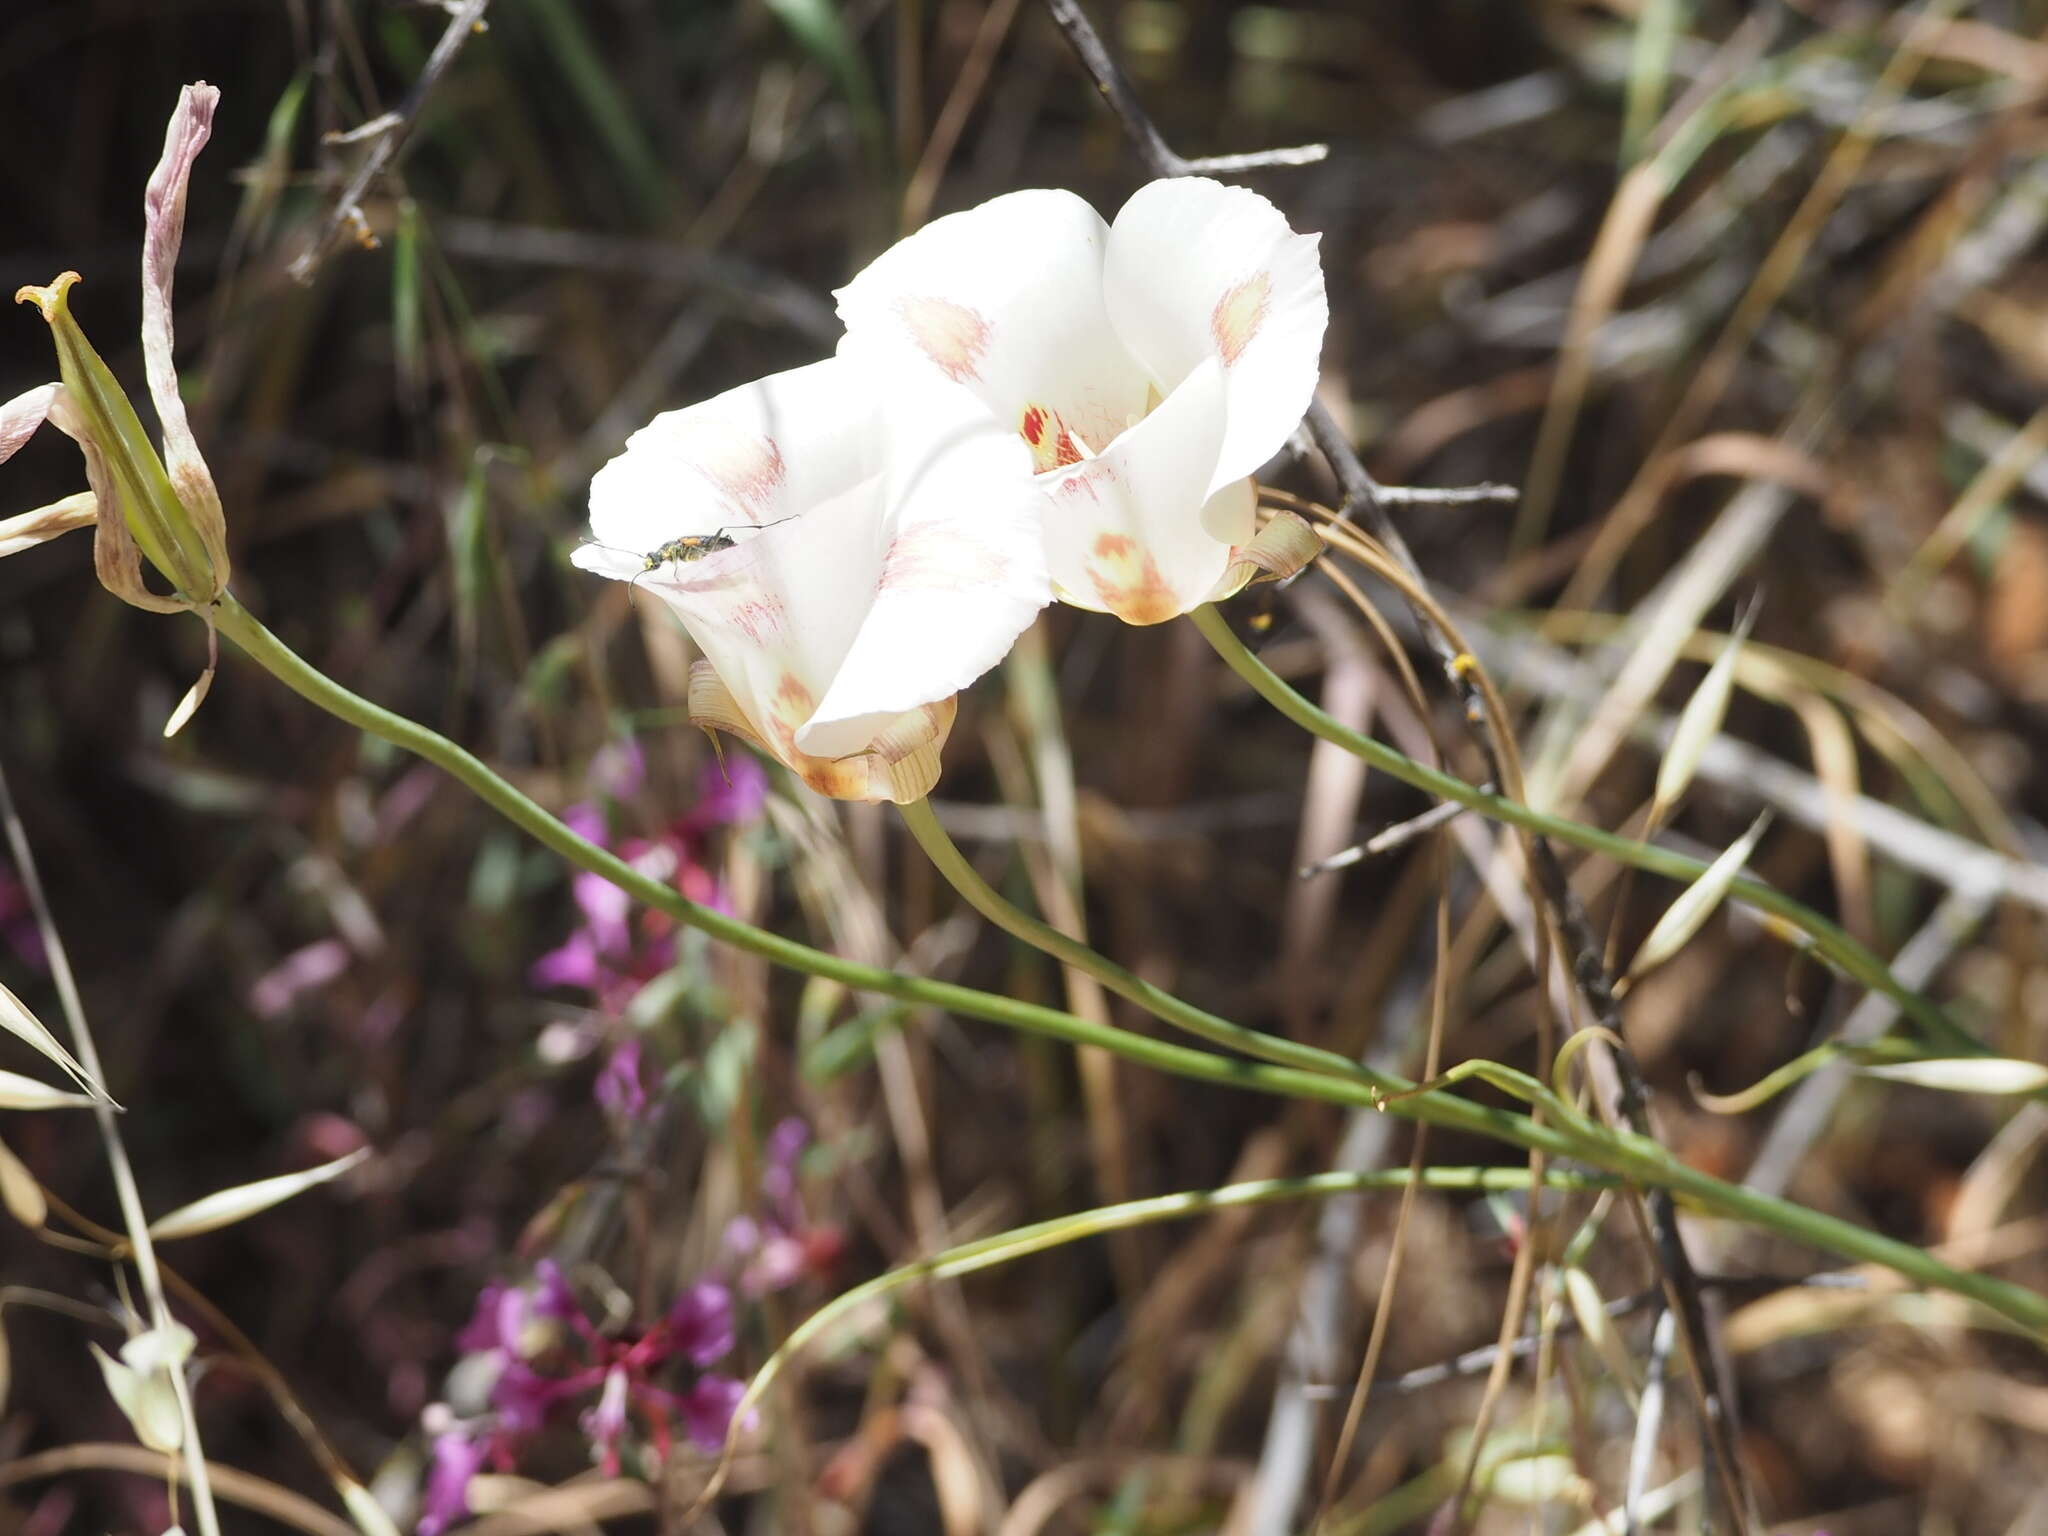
pixel 238 1487
pixel 395 132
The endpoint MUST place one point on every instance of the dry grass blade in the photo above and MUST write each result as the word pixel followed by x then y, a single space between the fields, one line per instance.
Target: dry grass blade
pixel 225 1207
pixel 1696 903
pixel 1700 721
pixel 16 1019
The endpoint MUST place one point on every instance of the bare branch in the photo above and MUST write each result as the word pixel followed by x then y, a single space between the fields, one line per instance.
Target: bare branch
pixel 395 131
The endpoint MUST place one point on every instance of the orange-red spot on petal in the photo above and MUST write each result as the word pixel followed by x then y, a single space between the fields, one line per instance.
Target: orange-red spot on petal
pixel 1239 314
pixel 1034 425
pixel 1128 582
pixel 953 336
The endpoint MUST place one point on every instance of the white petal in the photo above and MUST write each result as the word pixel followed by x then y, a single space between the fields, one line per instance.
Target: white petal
pixel 20 417
pixel 163 209
pixel 899 557
pixel 755 455
pixel 1196 270
pixel 963 573
pixel 775 616
pixel 1125 532
pixel 1004 300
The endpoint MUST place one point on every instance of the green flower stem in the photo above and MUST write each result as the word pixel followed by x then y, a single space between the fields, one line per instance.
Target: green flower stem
pixel 1615 1152
pixel 266 650
pixel 923 823
pixel 1827 940
pixel 1021 1242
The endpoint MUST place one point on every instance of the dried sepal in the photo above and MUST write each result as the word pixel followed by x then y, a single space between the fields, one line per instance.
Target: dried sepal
pixel 901 764
pixel 1285 546
pixel 163 207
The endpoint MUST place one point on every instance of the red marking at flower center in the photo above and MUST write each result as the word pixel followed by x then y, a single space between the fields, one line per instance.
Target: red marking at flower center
pixel 953 336
pixel 1239 314
pixel 1063 449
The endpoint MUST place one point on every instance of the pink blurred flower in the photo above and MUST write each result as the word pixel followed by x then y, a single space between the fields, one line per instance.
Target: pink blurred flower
pixel 781 1245
pixel 618 1089
pixel 605 1424
pixel 727 795
pixel 708 1408
pixel 700 1323
pixel 457 1459
pixel 301 971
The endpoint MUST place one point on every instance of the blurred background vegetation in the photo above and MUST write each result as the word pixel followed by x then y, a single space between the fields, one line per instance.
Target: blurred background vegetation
pixel 1746 297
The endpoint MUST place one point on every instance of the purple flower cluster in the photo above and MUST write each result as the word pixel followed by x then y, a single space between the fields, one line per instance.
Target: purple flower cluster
pixel 546 1355
pixel 608 954
pixel 780 1244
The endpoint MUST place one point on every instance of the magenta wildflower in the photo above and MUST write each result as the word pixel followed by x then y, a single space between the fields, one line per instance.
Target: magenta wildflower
pixel 700 1324
pixel 781 1245
pixel 457 1459
pixel 727 796
pixel 708 1407
pixel 522 1398
pixel 618 1089
pixel 498 1320
pixel 606 1423
pixel 633 1387
pixel 553 1296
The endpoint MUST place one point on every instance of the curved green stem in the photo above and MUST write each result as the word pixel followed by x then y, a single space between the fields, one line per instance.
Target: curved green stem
pixel 1615 1152
pixel 1831 942
pixel 1021 1242
pixel 923 823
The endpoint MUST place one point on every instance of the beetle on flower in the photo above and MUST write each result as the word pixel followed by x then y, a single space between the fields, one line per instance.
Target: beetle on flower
pixel 879 561
pixel 1151 367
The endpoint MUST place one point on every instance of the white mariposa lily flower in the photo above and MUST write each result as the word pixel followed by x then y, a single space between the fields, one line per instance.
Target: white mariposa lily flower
pixel 844 570
pixel 1151 365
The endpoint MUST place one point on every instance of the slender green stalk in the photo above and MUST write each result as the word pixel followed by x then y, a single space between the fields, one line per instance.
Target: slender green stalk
pixel 1616 1152
pixel 1826 939
pixel 126 1192
pixel 1161 1004
pixel 1022 1242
